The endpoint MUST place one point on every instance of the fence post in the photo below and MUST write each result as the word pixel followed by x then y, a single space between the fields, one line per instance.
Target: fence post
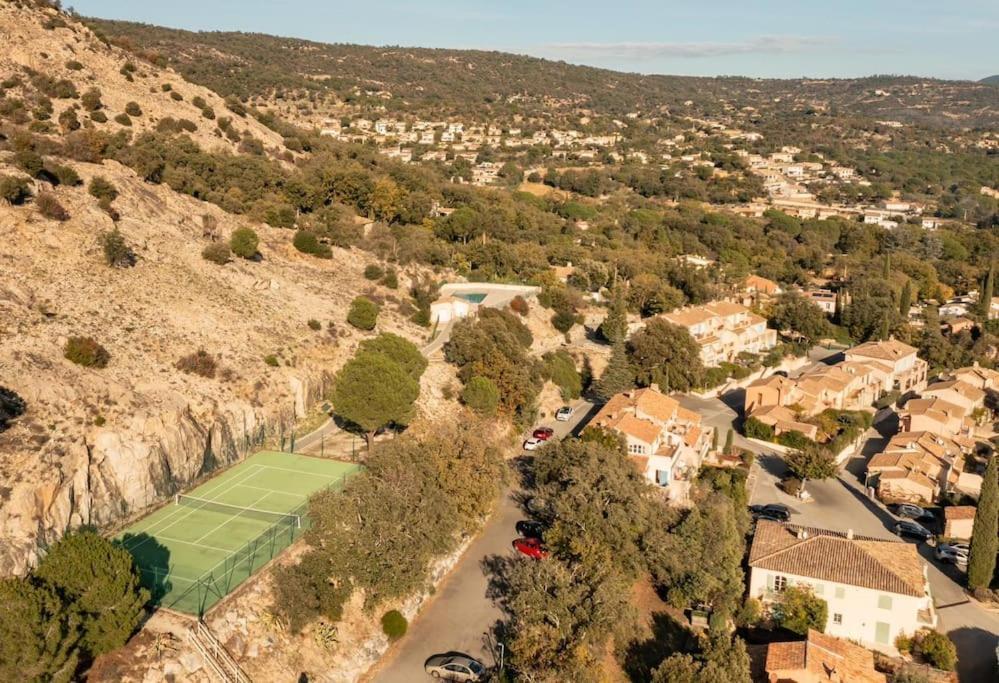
pixel 292 448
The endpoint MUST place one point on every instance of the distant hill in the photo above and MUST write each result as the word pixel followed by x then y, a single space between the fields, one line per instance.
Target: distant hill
pixel 466 81
pixel 991 80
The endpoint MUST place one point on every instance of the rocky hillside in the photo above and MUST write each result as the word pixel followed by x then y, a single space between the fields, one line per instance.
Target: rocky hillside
pixel 51 62
pixel 98 445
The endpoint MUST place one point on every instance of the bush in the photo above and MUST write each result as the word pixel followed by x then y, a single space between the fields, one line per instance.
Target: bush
pixel 391 279
pixel 69 121
pixel 117 253
pixel 176 96
pixel 373 272
pixel 98 117
pixel 272 360
pixel 563 320
pixel 74 65
pixel 244 242
pixel 217 252
pixel 519 305
pixel 101 188
pixel 49 206
pixel 794 439
pixel 63 175
pixel 198 363
pixel 363 313
pixel 936 648
pixel 307 243
pixel 133 109
pixel 30 162
pixel 87 352
pixel 123 119
pixel 754 429
pixel 481 395
pixel 394 624
pixel 14 190
pixel 315 325
pixel 91 100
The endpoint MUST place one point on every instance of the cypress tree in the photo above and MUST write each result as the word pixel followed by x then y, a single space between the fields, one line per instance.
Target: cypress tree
pixel 886 272
pixel 905 300
pixel 614 328
pixel 985 533
pixel 729 439
pixel 618 376
pixel 988 290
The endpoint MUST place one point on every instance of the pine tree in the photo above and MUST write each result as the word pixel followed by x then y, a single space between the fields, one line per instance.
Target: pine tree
pixel 618 376
pixel 905 300
pixel 614 328
pixel 988 290
pixel 984 543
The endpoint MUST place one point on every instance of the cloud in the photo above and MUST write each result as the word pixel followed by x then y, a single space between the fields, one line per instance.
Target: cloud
pixel 651 51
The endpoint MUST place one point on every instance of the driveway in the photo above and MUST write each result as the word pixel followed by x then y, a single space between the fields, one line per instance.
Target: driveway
pixel 460 617
pixel 841 504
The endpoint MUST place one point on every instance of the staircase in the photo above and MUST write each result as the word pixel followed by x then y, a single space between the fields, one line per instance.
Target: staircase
pixel 215 654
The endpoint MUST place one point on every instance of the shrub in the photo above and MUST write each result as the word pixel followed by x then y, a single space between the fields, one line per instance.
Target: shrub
pixel 30 162
pixel 102 188
pixel 363 313
pixel 68 120
pixel 176 96
pixel 117 253
pixel 91 100
pixel 64 175
pixel 481 395
pixel 391 279
pixel 166 87
pixel 49 206
pixel 199 102
pixel 98 116
pixel 127 68
pixel 198 363
pixel 87 352
pixel 217 252
pixel 123 119
pixel 794 439
pixel 208 113
pixel 373 271
pixel 272 360
pixel 244 242
pixel 133 109
pixel 307 243
pixel 315 325
pixel 519 305
pixel 936 648
pixel 12 407
pixel 563 320
pixel 754 429
pixel 13 189
pixel 394 624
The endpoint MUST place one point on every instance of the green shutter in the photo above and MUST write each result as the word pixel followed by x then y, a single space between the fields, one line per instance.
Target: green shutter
pixel 882 632
pixel 840 592
pixel 884 602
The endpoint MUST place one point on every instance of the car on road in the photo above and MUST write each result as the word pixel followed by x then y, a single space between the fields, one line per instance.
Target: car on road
pixel 454 666
pixel 532 547
pixel 533 444
pixel 774 511
pixel 530 528
pixel 953 553
pixel 910 511
pixel 909 529
pixel 563 414
pixel 543 433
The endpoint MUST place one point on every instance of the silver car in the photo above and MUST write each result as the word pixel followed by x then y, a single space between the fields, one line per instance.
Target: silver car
pixel 454 667
pixel 563 414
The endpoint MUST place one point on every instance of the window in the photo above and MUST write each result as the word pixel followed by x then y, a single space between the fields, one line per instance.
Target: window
pixel 780 583
pixel 838 619
pixel 840 592
pixel 884 602
pixel 636 449
pixel 882 632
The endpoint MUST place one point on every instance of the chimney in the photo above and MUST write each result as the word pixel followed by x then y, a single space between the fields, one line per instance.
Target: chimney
pixel 849 534
pixel 802 534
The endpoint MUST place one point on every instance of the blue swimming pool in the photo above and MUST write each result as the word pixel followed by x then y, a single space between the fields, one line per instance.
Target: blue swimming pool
pixel 474 297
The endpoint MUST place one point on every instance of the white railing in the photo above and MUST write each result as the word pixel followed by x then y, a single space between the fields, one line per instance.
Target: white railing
pixel 215 654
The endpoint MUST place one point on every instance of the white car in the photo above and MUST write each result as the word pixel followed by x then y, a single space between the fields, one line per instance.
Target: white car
pixel 956 553
pixel 563 414
pixel 533 444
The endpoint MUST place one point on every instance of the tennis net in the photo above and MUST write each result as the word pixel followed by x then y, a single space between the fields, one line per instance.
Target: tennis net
pixel 238 511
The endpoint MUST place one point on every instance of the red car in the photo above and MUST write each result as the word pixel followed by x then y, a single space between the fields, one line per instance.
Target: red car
pixel 532 547
pixel 543 433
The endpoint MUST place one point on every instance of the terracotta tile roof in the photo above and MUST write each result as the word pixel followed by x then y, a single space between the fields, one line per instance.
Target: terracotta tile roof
pixel 889 566
pixel 955 512
pixel 760 284
pixel 891 350
pixel 823 658
pixel 972 393
pixel 643 430
pixel 654 403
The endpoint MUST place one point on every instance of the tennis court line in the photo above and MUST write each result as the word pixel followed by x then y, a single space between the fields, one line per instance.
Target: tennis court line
pixel 236 516
pixel 189 513
pixel 288 469
pixel 283 493
pixel 200 545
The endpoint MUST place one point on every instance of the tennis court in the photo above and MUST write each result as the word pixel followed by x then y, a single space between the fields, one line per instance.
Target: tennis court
pixel 199 548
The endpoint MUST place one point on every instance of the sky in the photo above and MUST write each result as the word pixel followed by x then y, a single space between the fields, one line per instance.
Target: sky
pixel 954 39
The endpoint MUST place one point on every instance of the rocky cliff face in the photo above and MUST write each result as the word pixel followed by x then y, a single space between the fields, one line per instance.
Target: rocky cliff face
pixel 97 446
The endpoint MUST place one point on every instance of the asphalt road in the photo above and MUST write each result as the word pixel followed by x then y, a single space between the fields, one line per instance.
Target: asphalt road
pixel 460 617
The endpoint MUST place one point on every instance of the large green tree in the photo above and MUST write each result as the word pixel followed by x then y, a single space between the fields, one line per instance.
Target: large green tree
pixel 39 633
pixel 666 354
pixel 618 376
pixel 399 349
pixel 795 313
pixel 723 660
pixel 811 462
pixel 373 391
pixel 798 609
pixel 100 580
pixel 984 533
pixel 614 327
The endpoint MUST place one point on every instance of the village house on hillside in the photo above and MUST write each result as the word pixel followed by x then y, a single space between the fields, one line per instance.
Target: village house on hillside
pixel 908 372
pixel 666 441
pixel 916 467
pixel 723 330
pixel 876 590
pixel 819 658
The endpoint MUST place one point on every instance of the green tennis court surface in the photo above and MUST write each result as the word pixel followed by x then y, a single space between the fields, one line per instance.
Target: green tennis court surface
pixel 199 548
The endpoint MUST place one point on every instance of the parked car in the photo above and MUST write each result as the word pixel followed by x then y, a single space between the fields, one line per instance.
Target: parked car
pixel 954 553
pixel 909 529
pixel 533 444
pixel 532 547
pixel 530 528
pixel 563 414
pixel 543 433
pixel 454 667
pixel 775 511
pixel 910 511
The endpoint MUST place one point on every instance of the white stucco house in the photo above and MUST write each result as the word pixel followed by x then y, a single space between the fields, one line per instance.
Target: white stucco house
pixel 449 307
pixel 876 590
